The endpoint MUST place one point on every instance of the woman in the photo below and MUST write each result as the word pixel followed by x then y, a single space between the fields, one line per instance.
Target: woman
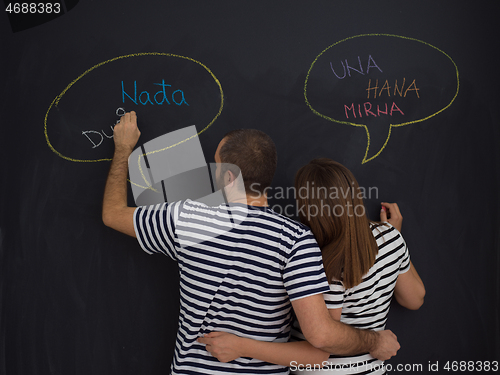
pixel 366 263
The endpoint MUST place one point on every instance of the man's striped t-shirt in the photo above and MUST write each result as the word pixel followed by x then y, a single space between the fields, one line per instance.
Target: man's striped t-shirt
pixel 366 305
pixel 240 266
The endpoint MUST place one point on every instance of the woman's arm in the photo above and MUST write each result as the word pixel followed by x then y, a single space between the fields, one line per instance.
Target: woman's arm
pixel 227 347
pixel 410 290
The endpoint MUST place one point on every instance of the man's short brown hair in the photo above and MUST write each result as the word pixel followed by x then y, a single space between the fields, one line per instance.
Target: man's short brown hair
pixel 254 152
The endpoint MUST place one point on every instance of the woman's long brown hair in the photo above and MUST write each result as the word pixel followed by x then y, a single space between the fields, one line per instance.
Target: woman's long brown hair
pixel 331 204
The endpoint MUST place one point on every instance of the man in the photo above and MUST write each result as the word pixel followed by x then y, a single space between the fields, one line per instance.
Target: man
pixel 241 276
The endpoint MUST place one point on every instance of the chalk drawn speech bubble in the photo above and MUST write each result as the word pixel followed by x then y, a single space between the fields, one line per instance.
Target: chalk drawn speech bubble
pixel 380 82
pixel 167 91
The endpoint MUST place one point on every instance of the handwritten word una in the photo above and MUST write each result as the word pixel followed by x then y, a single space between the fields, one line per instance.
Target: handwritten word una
pixel 367 109
pixel 159 98
pixel 397 89
pixel 347 68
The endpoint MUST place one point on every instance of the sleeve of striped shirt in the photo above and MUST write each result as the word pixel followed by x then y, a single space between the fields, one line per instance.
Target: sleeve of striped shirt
pixel 334 298
pixel 405 262
pixel 155 228
pixel 303 274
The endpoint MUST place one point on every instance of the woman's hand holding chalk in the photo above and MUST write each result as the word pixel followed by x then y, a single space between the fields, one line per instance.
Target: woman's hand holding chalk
pixel 391 214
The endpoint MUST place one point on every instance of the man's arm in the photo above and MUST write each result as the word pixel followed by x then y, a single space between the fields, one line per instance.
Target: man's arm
pixel 335 337
pixel 320 326
pixel 115 211
pixel 226 347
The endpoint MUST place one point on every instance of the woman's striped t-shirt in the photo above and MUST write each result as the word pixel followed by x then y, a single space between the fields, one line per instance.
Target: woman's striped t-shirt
pixel 366 305
pixel 240 266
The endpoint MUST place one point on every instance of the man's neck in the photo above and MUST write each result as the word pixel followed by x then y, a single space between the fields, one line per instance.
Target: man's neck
pixel 252 200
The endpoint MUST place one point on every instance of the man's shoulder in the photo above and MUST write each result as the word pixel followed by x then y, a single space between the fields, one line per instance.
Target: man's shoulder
pixel 286 224
pixel 255 218
pixel 259 212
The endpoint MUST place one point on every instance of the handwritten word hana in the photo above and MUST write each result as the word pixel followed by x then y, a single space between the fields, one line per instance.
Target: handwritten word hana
pixel 160 97
pixel 397 89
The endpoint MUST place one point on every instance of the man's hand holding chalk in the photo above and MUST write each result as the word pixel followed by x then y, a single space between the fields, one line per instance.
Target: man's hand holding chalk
pixel 126 133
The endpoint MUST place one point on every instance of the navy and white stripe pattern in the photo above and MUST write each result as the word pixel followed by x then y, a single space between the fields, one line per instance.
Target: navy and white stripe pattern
pixel 366 305
pixel 240 266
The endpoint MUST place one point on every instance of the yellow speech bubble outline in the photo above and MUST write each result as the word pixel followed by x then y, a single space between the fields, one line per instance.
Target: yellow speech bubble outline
pixel 365 160
pixel 56 100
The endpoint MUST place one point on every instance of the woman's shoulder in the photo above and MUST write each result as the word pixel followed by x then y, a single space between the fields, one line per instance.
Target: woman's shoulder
pixel 381 227
pixel 384 232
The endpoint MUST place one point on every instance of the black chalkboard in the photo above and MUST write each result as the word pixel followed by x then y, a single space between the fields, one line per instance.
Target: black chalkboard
pixel 79 298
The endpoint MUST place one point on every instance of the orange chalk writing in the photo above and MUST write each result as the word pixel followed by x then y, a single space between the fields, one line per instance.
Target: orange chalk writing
pixel 373 88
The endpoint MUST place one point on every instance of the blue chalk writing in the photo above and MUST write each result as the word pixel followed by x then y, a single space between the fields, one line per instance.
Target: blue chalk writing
pixel 159 98
pixel 370 58
pixel 183 100
pixel 360 71
pixel 135 93
pixel 370 64
pixel 163 85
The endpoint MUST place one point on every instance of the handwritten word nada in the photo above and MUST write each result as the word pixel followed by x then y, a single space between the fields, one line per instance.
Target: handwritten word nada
pixel 159 98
